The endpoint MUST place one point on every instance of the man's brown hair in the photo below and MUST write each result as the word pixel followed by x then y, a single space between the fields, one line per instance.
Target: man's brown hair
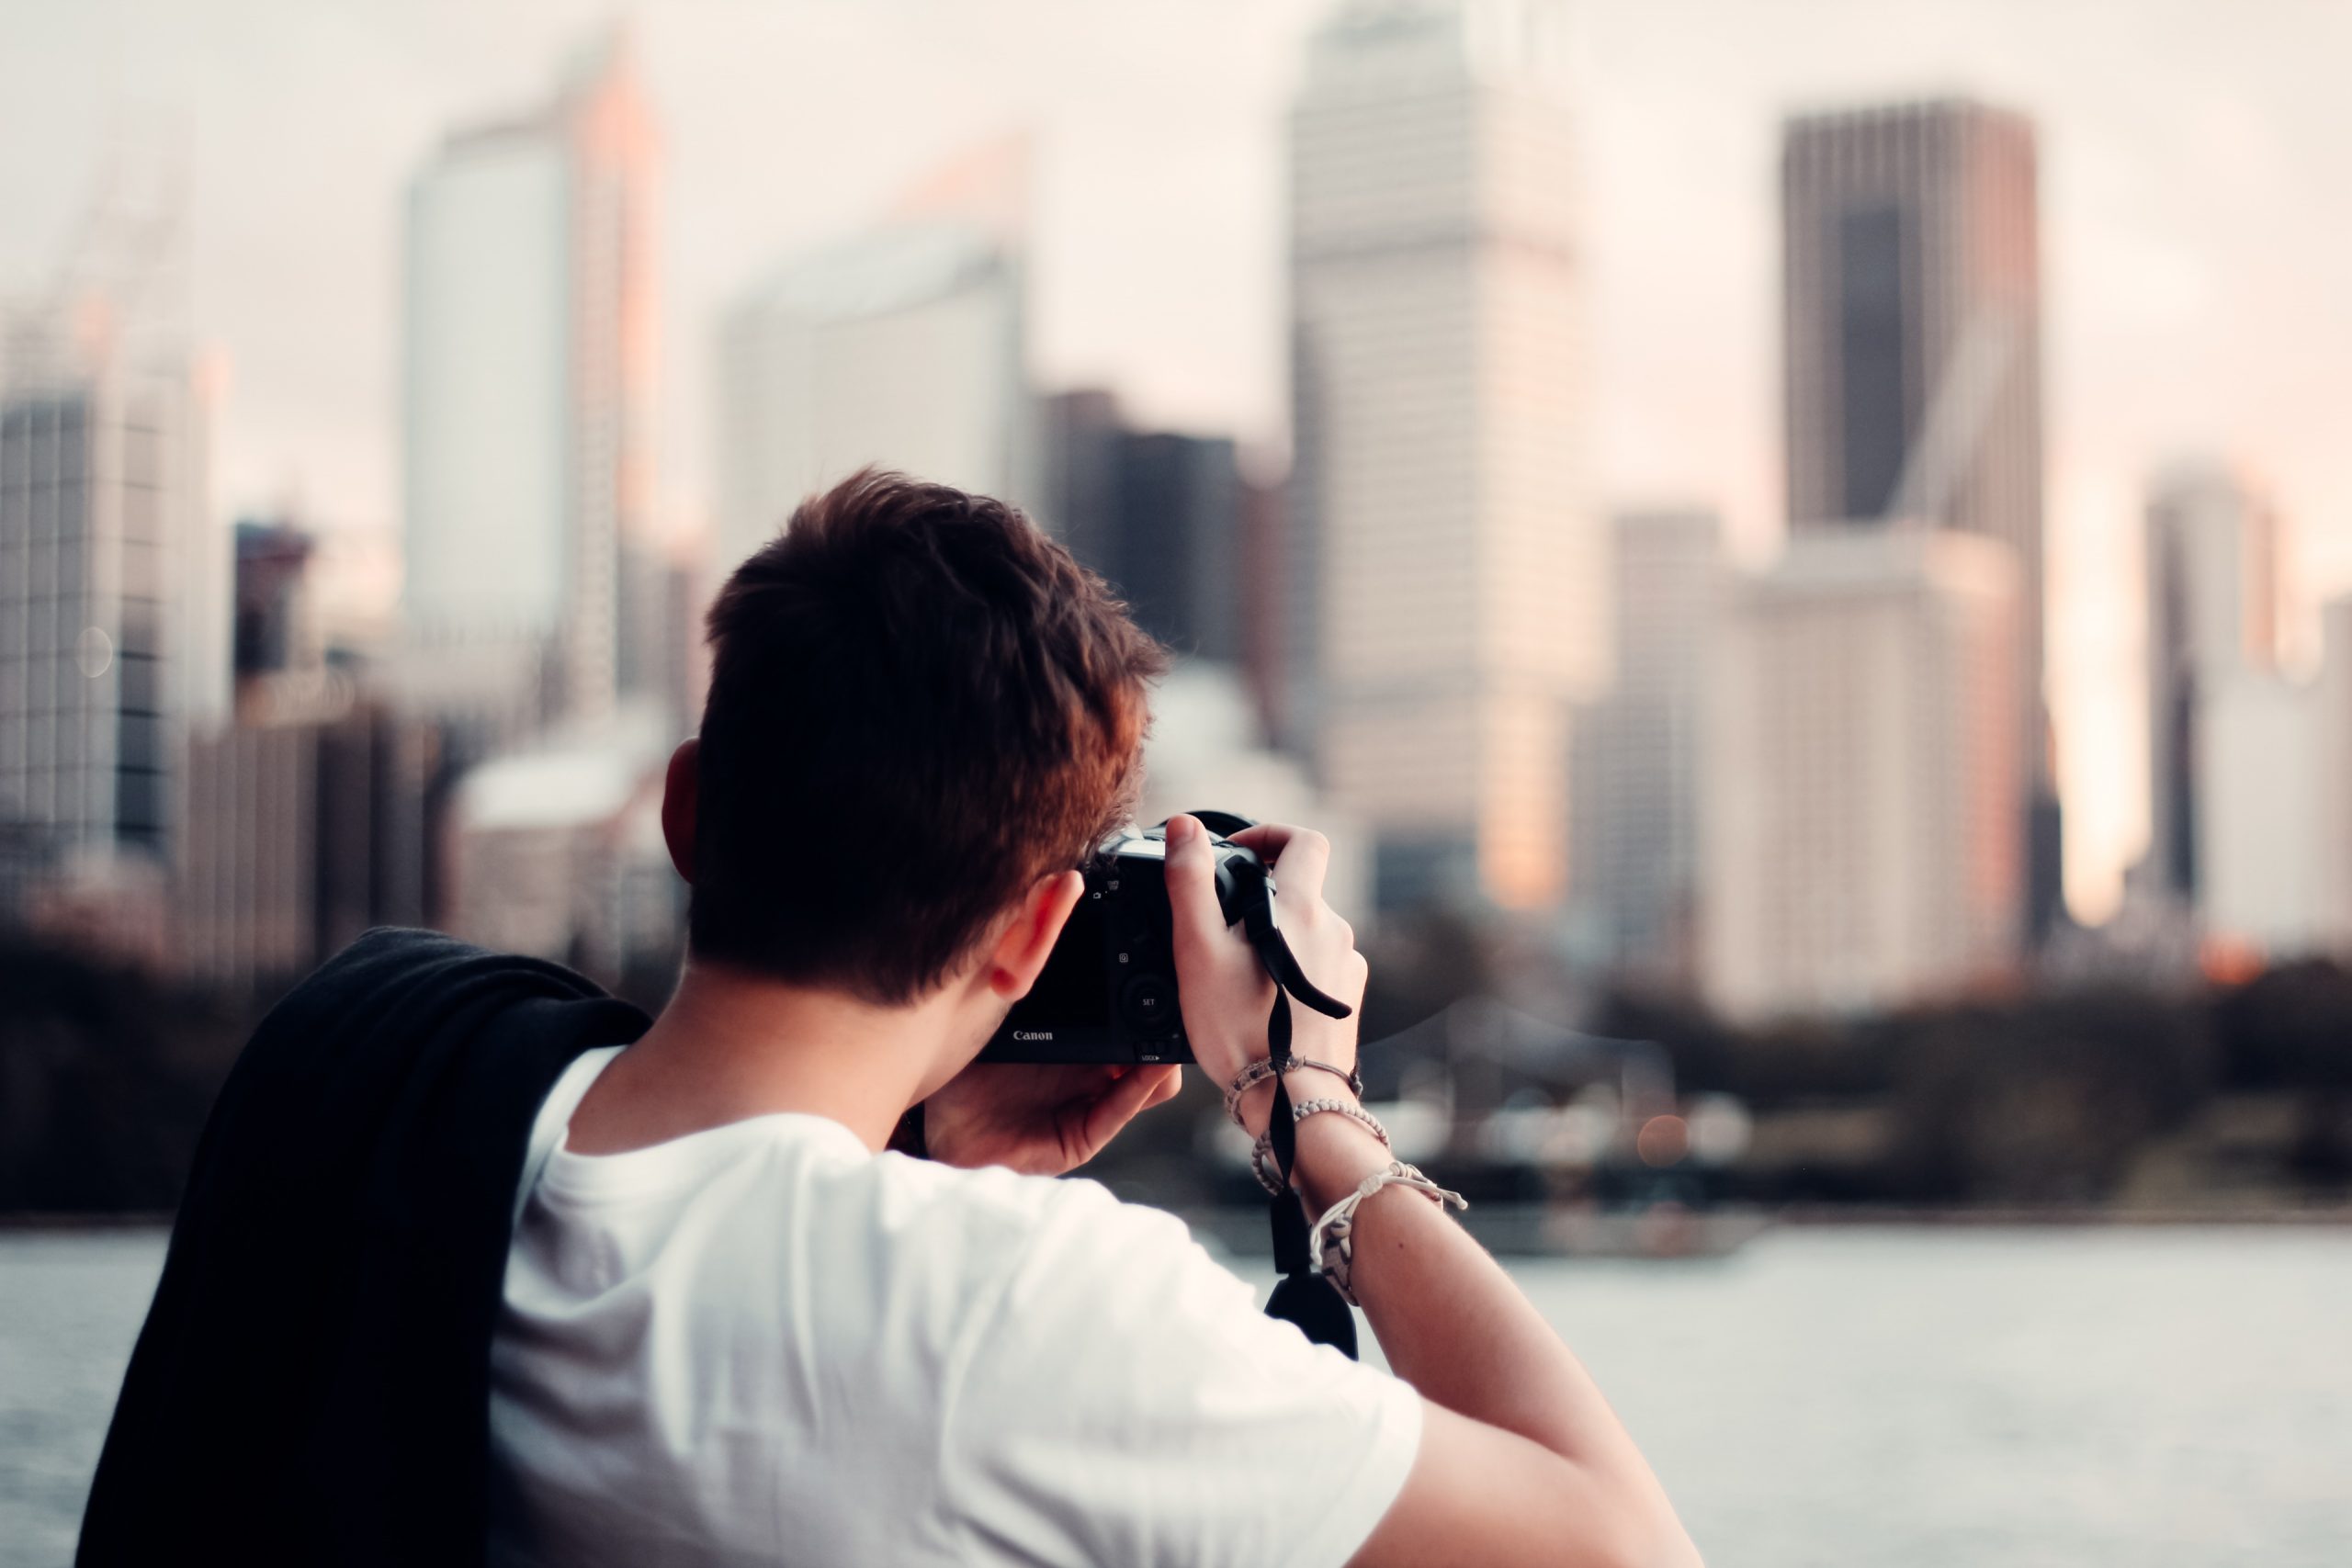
pixel 919 706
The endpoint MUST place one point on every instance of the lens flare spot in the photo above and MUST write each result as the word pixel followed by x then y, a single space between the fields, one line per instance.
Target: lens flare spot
pixel 1663 1140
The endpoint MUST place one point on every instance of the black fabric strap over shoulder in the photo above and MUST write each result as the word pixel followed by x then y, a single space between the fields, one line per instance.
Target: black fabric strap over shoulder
pixel 1302 1296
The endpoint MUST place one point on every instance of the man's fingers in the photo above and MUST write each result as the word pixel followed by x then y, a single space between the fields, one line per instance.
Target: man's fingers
pixel 1119 1102
pixel 1149 1086
pixel 1192 891
pixel 1299 856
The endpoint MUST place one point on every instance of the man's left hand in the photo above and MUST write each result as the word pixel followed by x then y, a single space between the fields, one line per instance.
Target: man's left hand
pixel 1039 1118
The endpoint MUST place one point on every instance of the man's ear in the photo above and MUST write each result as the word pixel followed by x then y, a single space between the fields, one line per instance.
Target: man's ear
pixel 1028 941
pixel 678 806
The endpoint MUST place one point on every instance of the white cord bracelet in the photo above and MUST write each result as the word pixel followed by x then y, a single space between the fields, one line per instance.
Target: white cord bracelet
pixel 1332 1241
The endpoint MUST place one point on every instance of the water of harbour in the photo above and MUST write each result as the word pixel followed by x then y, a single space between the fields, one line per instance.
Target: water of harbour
pixel 2157 1398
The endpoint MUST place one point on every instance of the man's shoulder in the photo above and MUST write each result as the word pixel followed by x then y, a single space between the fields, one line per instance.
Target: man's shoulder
pixel 999 1222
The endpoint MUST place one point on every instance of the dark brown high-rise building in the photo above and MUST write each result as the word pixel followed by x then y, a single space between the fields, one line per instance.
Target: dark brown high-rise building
pixel 1913 340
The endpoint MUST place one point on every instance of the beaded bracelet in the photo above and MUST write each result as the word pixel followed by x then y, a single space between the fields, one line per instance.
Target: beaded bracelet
pixel 1262 1069
pixel 1261 1152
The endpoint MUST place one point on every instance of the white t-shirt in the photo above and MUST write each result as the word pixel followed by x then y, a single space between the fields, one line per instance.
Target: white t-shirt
pixel 761 1343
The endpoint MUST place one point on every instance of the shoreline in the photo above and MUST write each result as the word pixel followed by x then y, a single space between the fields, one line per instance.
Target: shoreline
pixel 2313 1217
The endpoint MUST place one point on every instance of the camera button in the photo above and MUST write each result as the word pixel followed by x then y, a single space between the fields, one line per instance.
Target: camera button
pixel 1148 1004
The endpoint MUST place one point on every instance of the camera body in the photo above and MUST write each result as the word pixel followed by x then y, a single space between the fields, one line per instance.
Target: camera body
pixel 1108 993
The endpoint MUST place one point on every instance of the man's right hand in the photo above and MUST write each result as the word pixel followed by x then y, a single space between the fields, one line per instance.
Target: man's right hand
pixel 1226 993
pixel 1521 1460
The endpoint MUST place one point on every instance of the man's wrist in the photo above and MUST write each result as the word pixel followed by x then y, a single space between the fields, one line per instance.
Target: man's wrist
pixel 1254 1107
pixel 1335 1153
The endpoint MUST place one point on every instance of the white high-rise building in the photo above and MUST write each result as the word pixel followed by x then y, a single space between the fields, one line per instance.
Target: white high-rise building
pixel 2213 607
pixel 2257 774
pixel 1635 789
pixel 528 401
pixel 901 348
pixel 1860 803
pixel 113 611
pixel 1450 597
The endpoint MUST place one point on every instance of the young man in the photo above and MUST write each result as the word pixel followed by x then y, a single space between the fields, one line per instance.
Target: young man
pixel 730 1328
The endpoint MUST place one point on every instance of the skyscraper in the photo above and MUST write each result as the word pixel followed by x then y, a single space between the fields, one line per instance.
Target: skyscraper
pixel 108 584
pixel 1159 514
pixel 276 625
pixel 1912 272
pixel 1861 791
pixel 1449 602
pixel 902 347
pixel 2259 843
pixel 530 360
pixel 1636 791
pixel 2212 605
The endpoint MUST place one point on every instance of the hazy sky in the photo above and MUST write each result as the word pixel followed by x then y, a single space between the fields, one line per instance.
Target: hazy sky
pixel 2197 177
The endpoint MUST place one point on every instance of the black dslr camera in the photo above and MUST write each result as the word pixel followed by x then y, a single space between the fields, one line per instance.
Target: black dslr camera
pixel 1108 993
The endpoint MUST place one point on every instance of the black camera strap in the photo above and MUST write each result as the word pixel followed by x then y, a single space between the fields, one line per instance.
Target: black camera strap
pixel 1301 1296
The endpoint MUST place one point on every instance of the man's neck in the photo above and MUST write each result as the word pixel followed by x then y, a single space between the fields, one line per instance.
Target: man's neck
pixel 731 1045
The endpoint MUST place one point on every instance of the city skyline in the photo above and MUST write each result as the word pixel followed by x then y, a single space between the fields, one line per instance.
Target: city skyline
pixel 2181 231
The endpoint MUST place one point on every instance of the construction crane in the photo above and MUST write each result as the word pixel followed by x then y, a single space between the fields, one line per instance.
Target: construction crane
pixel 120 285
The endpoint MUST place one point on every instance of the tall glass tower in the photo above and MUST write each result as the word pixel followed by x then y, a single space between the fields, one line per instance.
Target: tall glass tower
pixel 1913 339
pixel 528 394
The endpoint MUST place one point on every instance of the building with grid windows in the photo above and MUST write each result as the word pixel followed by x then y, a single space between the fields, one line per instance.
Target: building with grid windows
pixel 1858 805
pixel 1450 607
pixel 106 591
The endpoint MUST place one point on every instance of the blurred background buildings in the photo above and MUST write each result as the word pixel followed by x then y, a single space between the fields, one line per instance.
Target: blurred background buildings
pixel 1633 789
pixel 1575 746
pixel 907 341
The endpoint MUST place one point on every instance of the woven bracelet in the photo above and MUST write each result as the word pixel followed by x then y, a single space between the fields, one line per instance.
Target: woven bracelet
pixel 1262 1069
pixel 1332 1241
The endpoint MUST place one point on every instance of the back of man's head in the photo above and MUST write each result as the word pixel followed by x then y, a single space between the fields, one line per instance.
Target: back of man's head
pixel 919 704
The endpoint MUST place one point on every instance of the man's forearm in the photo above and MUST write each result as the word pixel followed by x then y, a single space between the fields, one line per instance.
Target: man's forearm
pixel 1454 1326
